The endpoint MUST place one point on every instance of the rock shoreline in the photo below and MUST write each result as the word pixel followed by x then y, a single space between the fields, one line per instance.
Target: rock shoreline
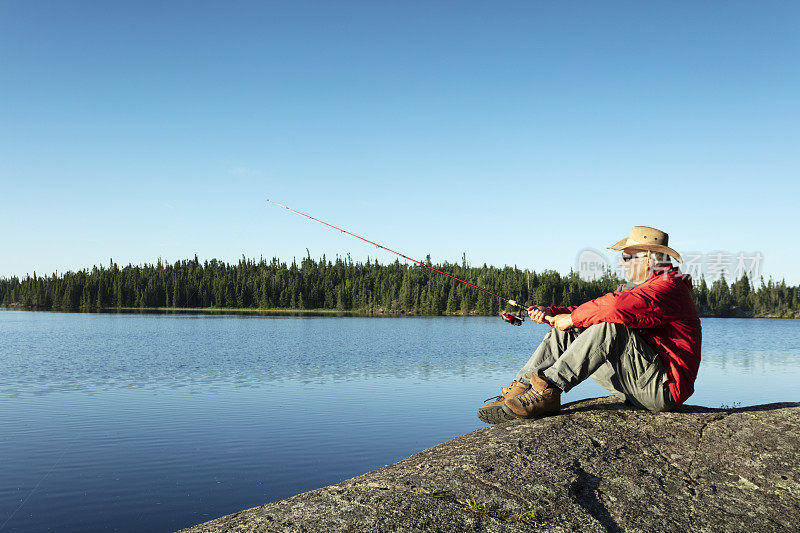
pixel 600 465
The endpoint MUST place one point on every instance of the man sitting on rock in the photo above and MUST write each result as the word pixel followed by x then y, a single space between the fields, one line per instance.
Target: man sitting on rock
pixel 641 342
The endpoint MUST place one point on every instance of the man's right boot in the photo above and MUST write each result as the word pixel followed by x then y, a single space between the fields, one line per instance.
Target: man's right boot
pixel 514 388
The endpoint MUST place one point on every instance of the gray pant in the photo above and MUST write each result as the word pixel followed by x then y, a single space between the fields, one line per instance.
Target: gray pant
pixel 614 356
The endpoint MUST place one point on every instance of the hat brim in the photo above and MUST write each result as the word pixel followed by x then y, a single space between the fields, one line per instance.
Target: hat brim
pixel 627 242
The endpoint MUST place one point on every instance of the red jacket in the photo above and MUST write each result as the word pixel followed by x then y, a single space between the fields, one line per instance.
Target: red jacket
pixel 662 311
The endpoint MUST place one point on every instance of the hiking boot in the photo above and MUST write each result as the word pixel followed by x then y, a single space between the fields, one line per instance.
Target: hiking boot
pixel 514 388
pixel 540 400
pixel 492 412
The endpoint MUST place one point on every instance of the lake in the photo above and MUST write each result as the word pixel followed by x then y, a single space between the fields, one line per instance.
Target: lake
pixel 132 422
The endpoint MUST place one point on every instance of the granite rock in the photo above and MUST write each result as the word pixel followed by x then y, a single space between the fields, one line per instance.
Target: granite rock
pixel 600 465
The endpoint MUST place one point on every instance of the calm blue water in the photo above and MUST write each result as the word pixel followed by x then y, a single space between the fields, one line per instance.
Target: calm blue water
pixel 157 422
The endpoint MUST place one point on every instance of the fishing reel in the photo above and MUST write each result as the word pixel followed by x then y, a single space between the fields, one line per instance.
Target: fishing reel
pixel 514 320
pixel 518 319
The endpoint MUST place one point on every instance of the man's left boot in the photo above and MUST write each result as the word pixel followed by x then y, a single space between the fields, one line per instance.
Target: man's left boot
pixel 492 412
pixel 542 399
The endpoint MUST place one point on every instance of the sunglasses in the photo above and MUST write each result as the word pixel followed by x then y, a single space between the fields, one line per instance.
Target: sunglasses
pixel 629 257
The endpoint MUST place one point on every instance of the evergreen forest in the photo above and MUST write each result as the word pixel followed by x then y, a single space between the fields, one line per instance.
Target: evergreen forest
pixel 345 286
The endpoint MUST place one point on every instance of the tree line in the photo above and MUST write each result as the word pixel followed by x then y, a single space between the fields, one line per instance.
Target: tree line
pixel 347 286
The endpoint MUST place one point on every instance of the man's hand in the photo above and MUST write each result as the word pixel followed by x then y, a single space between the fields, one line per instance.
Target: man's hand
pixel 539 314
pixel 562 322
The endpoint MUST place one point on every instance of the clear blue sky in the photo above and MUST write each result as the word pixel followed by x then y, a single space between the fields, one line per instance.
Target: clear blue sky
pixel 517 132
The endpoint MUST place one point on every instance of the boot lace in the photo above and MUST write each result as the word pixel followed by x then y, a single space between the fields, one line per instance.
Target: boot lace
pixel 529 397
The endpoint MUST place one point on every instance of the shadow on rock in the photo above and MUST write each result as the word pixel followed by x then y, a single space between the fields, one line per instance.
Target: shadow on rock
pixel 584 490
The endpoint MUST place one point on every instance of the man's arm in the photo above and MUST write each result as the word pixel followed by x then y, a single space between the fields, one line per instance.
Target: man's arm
pixel 541 314
pixel 561 309
pixel 633 309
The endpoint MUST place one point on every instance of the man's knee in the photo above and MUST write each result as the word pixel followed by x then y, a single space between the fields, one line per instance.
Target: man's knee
pixel 607 327
pixel 607 332
pixel 556 337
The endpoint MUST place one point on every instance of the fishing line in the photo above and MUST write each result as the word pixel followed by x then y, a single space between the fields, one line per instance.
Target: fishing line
pixel 513 319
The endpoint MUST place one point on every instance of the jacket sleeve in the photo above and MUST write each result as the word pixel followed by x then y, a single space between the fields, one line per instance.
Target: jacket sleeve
pixel 561 310
pixel 632 309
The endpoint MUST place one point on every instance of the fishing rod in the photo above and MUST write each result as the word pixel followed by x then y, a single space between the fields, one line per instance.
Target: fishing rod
pixel 514 319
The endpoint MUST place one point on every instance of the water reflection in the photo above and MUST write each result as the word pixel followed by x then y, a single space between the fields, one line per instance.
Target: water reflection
pixel 51 352
pixel 155 422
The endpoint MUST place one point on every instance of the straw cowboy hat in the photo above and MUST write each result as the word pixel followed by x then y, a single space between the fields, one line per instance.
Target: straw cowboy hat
pixel 645 238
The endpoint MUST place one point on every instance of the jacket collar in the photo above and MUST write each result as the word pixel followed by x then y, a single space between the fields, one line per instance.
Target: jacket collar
pixel 665 271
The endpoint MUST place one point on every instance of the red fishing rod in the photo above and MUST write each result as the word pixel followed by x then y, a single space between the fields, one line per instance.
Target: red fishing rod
pixel 508 317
